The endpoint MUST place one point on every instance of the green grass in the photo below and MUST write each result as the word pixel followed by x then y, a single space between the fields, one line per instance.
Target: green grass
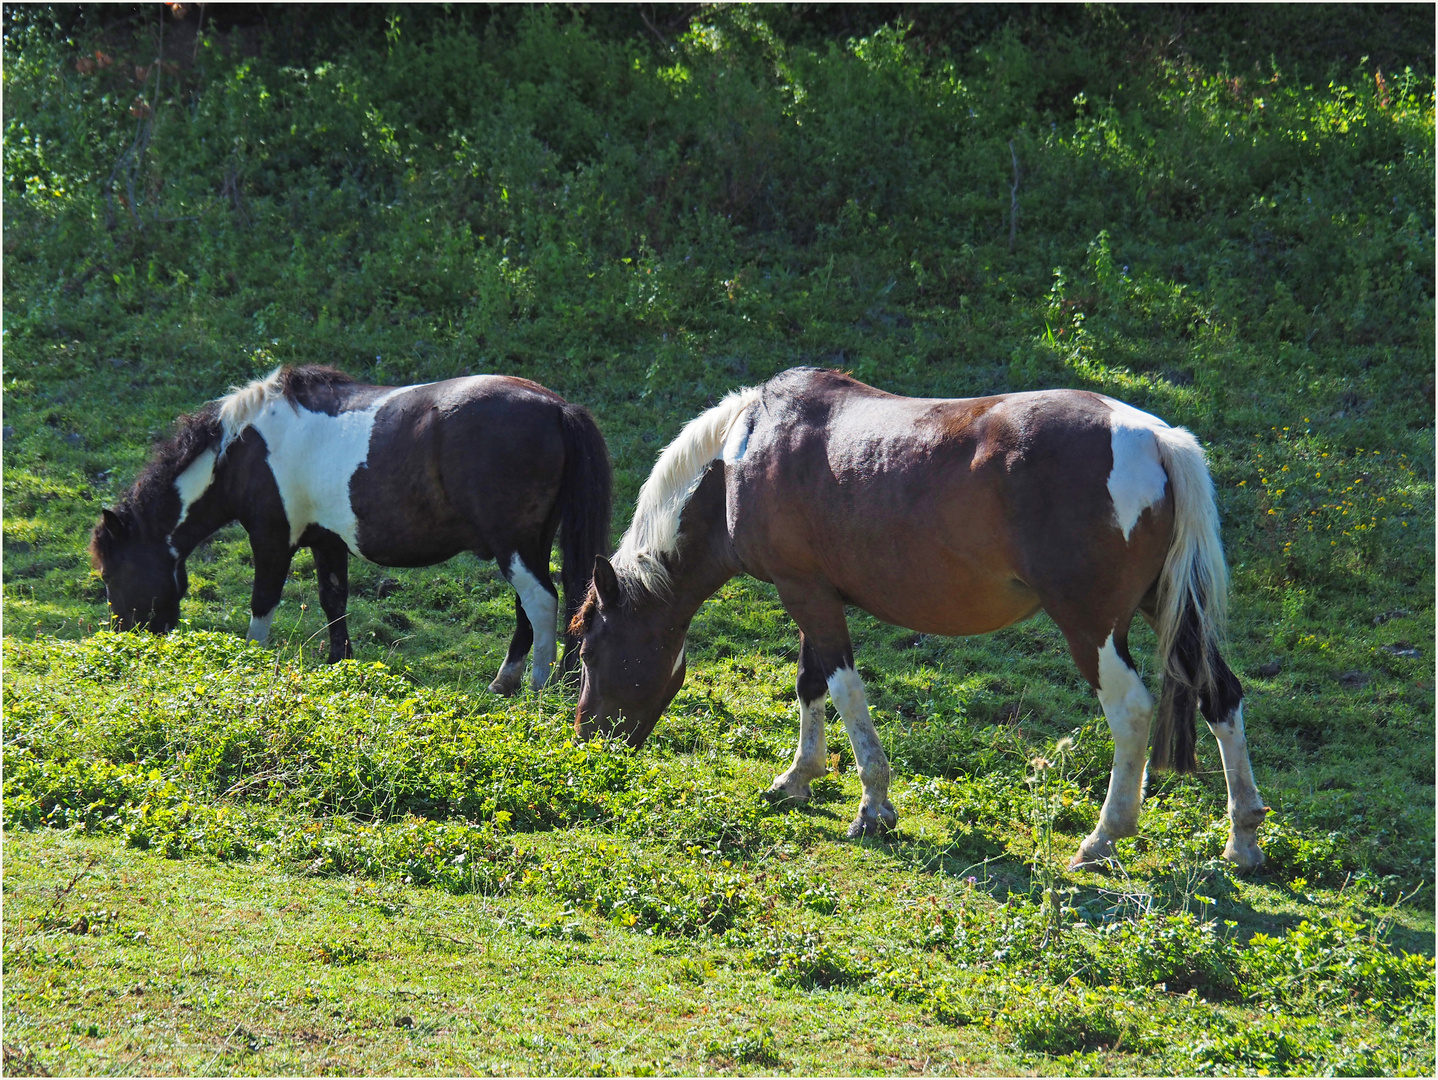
pixel 221 858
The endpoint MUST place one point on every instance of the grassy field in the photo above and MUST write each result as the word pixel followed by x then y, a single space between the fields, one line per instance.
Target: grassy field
pixel 222 858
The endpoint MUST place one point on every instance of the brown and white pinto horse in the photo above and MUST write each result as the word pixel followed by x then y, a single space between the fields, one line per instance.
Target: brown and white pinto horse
pixel 404 476
pixel 947 517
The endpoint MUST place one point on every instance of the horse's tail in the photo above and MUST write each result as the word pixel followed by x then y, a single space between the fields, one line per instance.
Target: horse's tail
pixel 585 502
pixel 1192 602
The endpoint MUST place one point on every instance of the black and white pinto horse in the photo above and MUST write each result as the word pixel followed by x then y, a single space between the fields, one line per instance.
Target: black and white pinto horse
pixel 403 476
pixel 947 517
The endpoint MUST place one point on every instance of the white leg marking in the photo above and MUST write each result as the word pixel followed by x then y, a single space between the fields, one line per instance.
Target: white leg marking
pixel 875 811
pixel 1137 479
pixel 811 757
pixel 260 626
pixel 1245 809
pixel 507 681
pixel 1128 707
pixel 543 611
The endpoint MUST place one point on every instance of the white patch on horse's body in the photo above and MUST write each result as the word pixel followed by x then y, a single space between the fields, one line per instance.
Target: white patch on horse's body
pixel 1245 809
pixel 260 626
pixel 847 691
pixel 312 456
pixel 242 404
pixel 1137 479
pixel 654 531
pixel 810 756
pixel 678 663
pixel 1128 707
pixel 194 482
pixel 542 609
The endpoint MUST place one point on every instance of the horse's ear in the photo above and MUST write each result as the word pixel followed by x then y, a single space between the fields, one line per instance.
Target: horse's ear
pixel 606 583
pixel 112 523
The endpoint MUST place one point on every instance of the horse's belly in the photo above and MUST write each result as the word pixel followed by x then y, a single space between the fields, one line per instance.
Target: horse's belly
pixel 400 539
pixel 954 604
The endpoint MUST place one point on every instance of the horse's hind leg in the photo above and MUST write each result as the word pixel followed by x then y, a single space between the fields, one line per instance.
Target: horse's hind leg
pixel 811 757
pixel 540 601
pixel 1128 708
pixel 1223 711
pixel 820 615
pixel 512 671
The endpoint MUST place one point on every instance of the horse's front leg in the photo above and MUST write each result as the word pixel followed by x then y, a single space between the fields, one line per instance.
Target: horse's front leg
pixel 811 759
pixel 820 614
pixel 272 563
pixel 332 568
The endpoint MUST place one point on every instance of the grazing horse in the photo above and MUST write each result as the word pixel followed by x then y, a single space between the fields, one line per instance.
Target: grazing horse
pixel 950 517
pixel 404 476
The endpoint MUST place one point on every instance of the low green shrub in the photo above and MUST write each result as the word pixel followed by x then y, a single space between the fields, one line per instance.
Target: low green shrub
pixel 1064 1021
pixel 804 960
pixel 1337 962
pixel 669 900
pixel 453 856
pixel 1290 1046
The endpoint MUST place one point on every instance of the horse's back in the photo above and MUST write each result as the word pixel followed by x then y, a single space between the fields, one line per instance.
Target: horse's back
pixel 906 504
pixel 463 464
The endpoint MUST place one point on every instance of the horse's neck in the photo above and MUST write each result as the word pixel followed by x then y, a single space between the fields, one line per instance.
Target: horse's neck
pixel 211 510
pixel 705 558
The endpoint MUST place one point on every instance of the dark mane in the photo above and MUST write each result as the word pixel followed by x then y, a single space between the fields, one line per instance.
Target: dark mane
pixel 300 383
pixel 137 509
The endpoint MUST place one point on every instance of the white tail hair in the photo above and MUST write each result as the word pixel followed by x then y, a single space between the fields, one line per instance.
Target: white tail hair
pixel 240 407
pixel 1194 576
pixel 654 532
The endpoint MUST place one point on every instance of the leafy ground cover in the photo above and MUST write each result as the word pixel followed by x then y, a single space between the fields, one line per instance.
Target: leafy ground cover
pixel 222 858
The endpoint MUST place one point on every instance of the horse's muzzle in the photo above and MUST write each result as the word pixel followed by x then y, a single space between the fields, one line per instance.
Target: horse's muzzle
pixel 588 724
pixel 156 624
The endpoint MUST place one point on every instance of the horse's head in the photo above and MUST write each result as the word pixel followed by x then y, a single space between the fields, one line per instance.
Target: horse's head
pixel 632 648
pixel 144 578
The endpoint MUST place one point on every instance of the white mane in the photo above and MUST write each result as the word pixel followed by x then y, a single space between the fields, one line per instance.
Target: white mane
pixel 654 532
pixel 240 407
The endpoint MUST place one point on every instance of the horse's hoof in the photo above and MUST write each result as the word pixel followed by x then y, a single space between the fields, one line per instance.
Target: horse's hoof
pixel 1243 852
pixel 503 689
pixel 781 796
pixel 874 826
pixel 1093 854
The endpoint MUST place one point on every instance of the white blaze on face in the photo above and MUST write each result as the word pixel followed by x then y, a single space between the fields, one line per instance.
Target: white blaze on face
pixel 1137 480
pixel 313 456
